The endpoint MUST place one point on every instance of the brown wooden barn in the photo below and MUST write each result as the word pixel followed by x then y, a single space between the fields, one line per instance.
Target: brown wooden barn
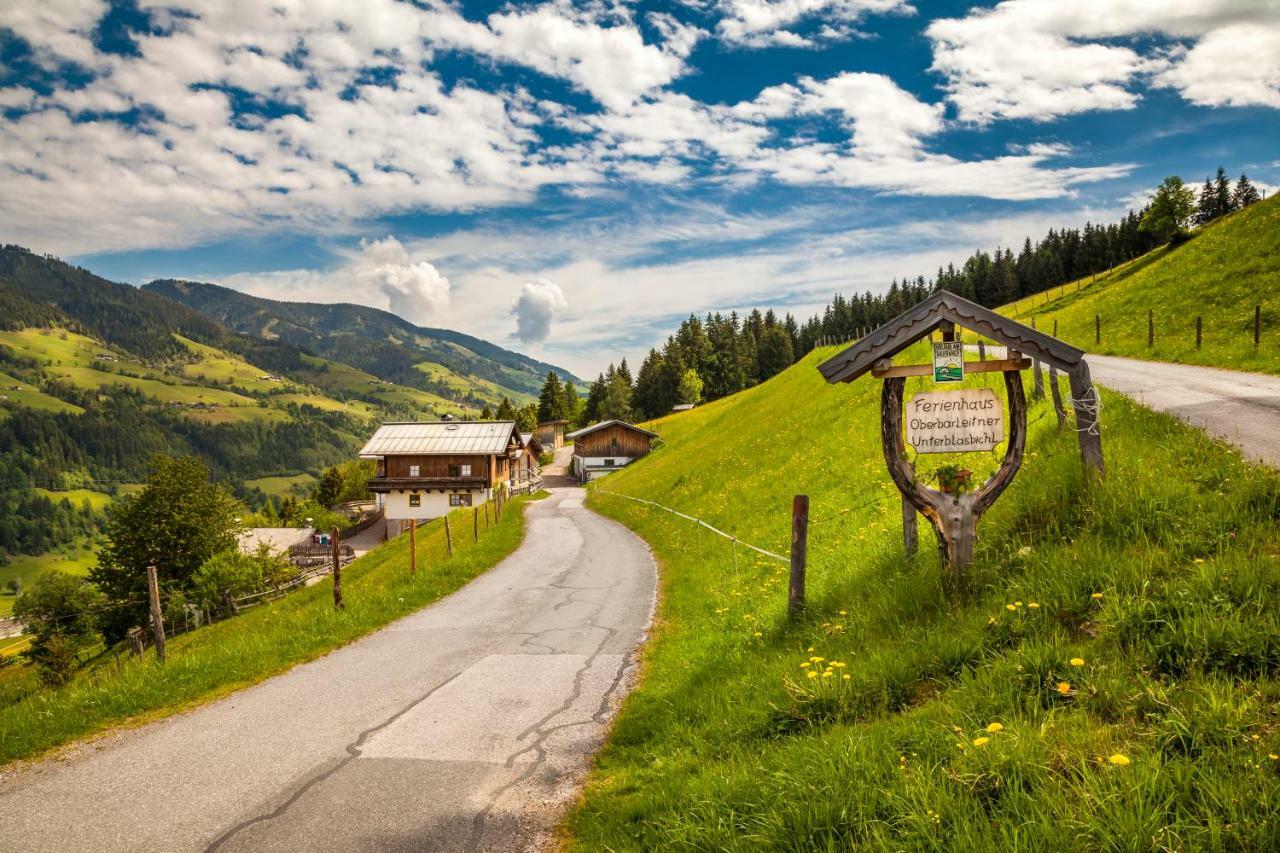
pixel 607 446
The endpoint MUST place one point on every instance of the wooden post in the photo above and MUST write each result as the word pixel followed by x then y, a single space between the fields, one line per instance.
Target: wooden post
pixel 954 517
pixel 1199 326
pixel 448 536
pixel 413 547
pixel 157 619
pixel 1097 328
pixel 337 569
pixel 799 554
pixel 982 350
pixel 1038 374
pixel 1055 327
pixel 1057 397
pixel 135 641
pixel 910 530
pixel 1257 325
pixel 477 523
pixel 486 515
pixel 1151 328
pixel 1085 402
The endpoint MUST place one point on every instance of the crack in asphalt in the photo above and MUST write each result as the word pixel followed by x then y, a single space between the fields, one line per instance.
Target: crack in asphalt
pixel 353 752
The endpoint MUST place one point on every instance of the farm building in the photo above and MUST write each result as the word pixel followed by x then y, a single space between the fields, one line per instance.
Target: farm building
pixel 526 469
pixel 426 469
pixel 604 447
pixel 551 434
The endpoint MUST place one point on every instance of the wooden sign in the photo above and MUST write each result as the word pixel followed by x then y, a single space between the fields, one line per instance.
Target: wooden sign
pixel 948 361
pixel 955 421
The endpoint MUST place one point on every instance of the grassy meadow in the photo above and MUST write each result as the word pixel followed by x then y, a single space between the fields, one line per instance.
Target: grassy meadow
pixel 1103 678
pixel 1220 274
pixel 266 640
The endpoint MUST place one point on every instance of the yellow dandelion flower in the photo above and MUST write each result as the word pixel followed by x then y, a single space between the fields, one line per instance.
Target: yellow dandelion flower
pixel 827 674
pixel 1119 760
pixel 995 727
pixel 758 634
pixel 1010 608
pixel 844 613
pixel 981 741
pixel 810 648
pixel 1273 756
pixel 1064 687
pixel 1096 596
pixel 1017 604
pixel 817 660
pixel 1031 605
pixel 811 674
pixel 991 621
pixel 1077 661
pixel 847 676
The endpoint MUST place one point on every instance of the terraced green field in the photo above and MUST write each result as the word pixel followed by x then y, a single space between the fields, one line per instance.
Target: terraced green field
pixel 282 487
pixel 28 397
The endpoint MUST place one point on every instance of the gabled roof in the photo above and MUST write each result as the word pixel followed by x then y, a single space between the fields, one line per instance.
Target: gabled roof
pixel 596 427
pixel 439 438
pixel 528 438
pixel 914 323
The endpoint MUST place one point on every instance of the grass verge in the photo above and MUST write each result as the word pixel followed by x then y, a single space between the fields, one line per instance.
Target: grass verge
pixel 1104 678
pixel 265 641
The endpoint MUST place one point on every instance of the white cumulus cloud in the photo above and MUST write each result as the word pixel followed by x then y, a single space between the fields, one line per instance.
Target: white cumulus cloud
pixel 539 302
pixel 414 290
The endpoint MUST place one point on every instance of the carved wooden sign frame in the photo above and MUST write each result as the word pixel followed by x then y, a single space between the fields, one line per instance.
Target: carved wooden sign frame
pixel 954 516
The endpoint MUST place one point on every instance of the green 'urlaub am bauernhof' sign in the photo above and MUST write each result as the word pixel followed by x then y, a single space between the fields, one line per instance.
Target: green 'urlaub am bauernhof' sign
pixel 948 361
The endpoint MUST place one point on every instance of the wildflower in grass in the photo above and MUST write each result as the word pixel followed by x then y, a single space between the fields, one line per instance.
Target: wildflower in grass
pixel 991 621
pixel 827 674
pixel 805 665
pixel 1031 605
pixel 1119 760
pixel 1064 687
pixel 981 741
pixel 1272 755
pixel 759 634
pixel 1010 608
pixel 995 727
pixel 846 677
pixel 1077 661
pixel 812 673
pixel 1024 551
pixel 1017 604
pixel 1096 596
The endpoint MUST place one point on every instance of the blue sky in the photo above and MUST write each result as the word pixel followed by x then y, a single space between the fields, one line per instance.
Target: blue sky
pixel 570 179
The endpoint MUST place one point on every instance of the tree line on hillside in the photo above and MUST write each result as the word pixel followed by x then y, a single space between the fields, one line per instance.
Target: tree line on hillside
pixel 710 358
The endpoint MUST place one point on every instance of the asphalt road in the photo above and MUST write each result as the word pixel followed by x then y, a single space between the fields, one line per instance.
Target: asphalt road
pixel 466 726
pixel 1240 408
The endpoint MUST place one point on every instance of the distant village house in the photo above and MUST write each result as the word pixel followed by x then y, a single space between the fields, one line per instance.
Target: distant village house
pixel 551 434
pixel 607 446
pixel 424 470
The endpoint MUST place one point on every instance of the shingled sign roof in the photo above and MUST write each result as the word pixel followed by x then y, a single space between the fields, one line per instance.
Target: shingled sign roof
pixel 914 323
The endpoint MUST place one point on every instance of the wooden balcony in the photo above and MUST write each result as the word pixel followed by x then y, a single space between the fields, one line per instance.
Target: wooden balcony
pixel 389 484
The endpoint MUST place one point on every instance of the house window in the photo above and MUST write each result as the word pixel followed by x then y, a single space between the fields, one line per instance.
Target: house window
pixel 415 499
pixel 413 470
pixel 459 500
pixel 608 463
pixel 466 470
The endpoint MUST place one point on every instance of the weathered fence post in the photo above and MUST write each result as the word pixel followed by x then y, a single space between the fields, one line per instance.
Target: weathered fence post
pixel 1084 399
pixel 1055 327
pixel 1199 328
pixel 413 547
pixel 337 570
pixel 477 523
pixel 982 350
pixel 448 536
pixel 910 529
pixel 157 619
pixel 1037 371
pixel 1057 397
pixel 799 553
pixel 1257 325
pixel 1097 328
pixel 135 641
pixel 1151 328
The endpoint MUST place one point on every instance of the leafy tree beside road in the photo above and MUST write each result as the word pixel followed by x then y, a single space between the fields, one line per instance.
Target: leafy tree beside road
pixel 1171 209
pixel 177 522
pixel 61 613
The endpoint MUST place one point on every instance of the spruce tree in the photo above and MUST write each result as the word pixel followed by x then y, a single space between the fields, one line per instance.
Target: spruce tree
pixel 506 410
pixel 1222 193
pixel 1245 193
pixel 551 399
pixel 1207 207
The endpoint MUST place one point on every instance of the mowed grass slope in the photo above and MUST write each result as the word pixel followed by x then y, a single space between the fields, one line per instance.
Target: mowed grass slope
pixel 1220 274
pixel 229 655
pixel 1104 678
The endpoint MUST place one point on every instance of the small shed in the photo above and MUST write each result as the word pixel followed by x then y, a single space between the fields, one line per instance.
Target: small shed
pixel 551 434
pixel 607 446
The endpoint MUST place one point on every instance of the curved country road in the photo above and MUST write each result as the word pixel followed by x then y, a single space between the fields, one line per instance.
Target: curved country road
pixel 1240 408
pixel 465 726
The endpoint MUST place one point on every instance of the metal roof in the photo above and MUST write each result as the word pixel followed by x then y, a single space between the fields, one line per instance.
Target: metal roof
pixel 594 427
pixel 914 323
pixel 440 437
pixel 528 438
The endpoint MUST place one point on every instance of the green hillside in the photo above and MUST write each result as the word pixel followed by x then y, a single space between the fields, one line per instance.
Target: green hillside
pixel 1220 274
pixel 1104 677
pixel 442 362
